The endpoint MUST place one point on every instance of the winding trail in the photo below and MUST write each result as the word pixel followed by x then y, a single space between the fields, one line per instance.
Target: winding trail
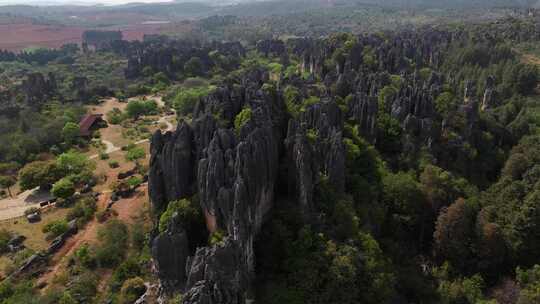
pixel 110 148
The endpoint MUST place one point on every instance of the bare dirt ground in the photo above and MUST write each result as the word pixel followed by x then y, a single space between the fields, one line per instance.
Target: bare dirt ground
pixel 21 34
pixel 15 207
pixel 87 235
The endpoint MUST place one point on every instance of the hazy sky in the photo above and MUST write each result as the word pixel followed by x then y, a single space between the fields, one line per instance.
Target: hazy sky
pixel 82 2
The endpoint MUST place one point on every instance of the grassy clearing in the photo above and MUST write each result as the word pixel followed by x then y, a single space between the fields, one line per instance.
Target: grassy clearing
pixel 35 238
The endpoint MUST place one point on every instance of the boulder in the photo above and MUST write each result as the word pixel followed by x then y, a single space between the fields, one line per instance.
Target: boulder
pixel 34 217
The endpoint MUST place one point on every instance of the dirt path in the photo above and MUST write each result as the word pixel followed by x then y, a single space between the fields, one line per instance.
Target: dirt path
pixel 87 235
pixel 110 148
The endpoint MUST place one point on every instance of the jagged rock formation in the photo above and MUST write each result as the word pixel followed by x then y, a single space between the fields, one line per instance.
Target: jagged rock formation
pixel 314 145
pixel 489 101
pixel 169 56
pixel 364 109
pixel 172 166
pixel 171 251
pixel 234 174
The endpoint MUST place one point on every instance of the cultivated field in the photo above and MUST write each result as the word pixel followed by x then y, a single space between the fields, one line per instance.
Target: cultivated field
pixel 18 36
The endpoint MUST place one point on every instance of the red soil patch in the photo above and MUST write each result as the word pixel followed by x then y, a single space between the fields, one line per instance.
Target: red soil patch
pixel 22 35
pixel 18 36
pixel 127 209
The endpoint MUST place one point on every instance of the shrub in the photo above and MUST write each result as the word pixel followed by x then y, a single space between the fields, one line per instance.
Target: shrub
pixel 131 290
pixel 84 256
pixel 312 136
pixel 84 287
pixel 242 119
pixel 56 228
pixel 292 100
pixel 5 236
pixel 217 237
pixel 194 66
pixel 115 116
pixel 127 270
pixel 137 108
pixel 67 298
pixel 185 210
pixel 134 181
pixel 309 102
pixel 112 246
pixel 70 132
pixel 185 100
pixel 103 156
pixel 113 164
pixel 445 103
pixel 386 97
pixel 63 188
pixel 135 154
pixel 83 210
pixel 138 235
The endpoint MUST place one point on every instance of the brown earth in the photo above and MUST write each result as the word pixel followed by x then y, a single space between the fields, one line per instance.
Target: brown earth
pixel 127 210
pixel 18 36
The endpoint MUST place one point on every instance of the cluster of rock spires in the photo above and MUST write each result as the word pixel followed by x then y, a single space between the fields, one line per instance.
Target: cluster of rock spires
pixel 234 175
pixel 234 172
pixel 169 56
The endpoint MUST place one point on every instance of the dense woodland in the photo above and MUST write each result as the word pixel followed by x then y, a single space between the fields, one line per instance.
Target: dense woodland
pixel 397 166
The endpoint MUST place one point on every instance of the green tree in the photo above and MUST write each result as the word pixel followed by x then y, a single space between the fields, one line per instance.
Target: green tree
pixel 386 97
pixel 75 165
pixel 64 188
pixel 405 205
pixel 113 241
pixel 56 228
pixel 67 299
pixel 292 100
pixel 389 136
pixel 183 208
pixel 444 103
pixel 184 100
pixel 7 182
pixel 70 132
pixel 441 187
pixel 115 116
pixel 131 290
pixel 39 174
pixel 454 234
pixel 194 67
pixel 135 109
pixel 135 154
pixel 529 282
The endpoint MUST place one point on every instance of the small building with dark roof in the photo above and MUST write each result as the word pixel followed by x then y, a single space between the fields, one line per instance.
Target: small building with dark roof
pixel 89 123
